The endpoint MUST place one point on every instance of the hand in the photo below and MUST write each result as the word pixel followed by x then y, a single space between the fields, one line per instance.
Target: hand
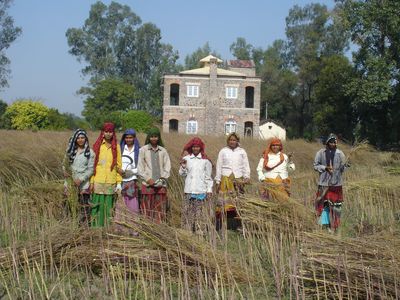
pixel 329 169
pixel 183 163
pixel 150 182
pixel 91 188
pixel 77 182
pixel 118 188
pixel 217 186
pixel 290 156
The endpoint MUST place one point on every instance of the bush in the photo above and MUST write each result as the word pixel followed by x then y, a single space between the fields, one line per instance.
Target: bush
pixel 137 119
pixel 27 114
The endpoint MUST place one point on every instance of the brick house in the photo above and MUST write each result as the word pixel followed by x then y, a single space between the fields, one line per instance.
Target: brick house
pixel 213 101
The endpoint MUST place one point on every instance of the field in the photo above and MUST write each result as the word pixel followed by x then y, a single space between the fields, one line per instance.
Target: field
pixel 281 254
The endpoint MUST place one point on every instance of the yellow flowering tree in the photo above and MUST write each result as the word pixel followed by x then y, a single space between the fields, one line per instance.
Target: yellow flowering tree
pixel 27 114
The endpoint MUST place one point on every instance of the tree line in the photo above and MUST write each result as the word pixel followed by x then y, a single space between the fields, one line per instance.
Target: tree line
pixel 336 70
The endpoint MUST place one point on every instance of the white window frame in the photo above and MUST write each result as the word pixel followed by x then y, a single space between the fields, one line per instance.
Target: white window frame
pixel 191 127
pixel 192 90
pixel 230 127
pixel 231 92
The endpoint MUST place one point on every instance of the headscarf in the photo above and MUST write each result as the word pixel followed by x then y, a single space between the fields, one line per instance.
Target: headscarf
pixel 73 148
pixel 233 134
pixel 330 153
pixel 274 141
pixel 109 127
pixel 195 142
pixel 136 145
pixel 154 132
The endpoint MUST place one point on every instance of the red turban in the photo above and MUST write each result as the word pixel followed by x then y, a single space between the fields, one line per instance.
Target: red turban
pixel 195 142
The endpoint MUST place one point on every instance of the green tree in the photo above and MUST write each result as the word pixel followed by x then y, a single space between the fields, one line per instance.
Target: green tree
pixel 374 26
pixel 137 119
pixel 27 114
pixel 8 34
pixel 114 43
pixel 192 61
pixel 241 50
pixel 107 97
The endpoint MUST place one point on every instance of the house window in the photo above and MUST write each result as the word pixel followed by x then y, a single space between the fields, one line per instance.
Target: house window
pixel 230 126
pixel 192 90
pixel 191 127
pixel 231 92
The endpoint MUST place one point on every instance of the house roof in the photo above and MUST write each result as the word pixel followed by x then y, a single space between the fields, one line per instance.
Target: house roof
pixel 206 71
pixel 238 63
pixel 210 57
pixel 264 121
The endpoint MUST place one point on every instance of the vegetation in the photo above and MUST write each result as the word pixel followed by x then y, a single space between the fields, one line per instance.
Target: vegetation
pixel 281 254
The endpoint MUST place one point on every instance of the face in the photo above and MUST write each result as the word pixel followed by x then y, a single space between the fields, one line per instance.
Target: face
pixel 196 150
pixel 108 135
pixel 80 141
pixel 154 140
pixel 129 139
pixel 233 142
pixel 275 148
pixel 332 144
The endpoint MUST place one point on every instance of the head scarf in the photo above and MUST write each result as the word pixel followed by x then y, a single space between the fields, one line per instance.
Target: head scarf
pixel 195 142
pixel 274 141
pixel 154 132
pixel 73 147
pixel 136 145
pixel 109 127
pixel 233 134
pixel 330 153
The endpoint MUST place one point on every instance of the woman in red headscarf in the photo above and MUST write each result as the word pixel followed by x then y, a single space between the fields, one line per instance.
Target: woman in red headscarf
pixel 196 168
pixel 106 180
pixel 273 170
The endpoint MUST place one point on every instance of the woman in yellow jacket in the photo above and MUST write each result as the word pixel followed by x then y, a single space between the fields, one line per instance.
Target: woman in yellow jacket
pixel 106 181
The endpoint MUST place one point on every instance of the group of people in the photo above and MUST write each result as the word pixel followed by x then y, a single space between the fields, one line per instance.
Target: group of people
pixel 109 169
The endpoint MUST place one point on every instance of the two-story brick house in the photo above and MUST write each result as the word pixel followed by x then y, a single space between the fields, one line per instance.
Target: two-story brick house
pixel 213 101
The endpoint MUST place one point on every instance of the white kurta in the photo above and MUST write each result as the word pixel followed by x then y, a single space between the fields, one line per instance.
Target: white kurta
pixel 232 161
pixel 129 164
pixel 198 175
pixel 281 170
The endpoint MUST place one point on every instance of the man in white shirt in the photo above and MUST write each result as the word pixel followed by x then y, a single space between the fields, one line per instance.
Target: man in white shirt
pixel 196 168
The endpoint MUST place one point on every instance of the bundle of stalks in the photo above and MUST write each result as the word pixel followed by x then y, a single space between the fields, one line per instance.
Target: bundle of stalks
pixel 365 268
pixel 283 213
pixel 159 249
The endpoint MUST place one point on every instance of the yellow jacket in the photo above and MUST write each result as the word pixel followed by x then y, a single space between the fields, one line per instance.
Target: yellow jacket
pixel 103 168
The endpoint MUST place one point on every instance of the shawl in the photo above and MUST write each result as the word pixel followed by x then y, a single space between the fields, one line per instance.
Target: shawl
pixel 136 145
pixel 154 132
pixel 73 148
pixel 109 127
pixel 274 141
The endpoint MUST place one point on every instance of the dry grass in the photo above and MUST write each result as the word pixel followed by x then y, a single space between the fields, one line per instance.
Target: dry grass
pixel 281 254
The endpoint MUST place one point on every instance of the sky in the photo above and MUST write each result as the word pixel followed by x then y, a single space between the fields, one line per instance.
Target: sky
pixel 42 69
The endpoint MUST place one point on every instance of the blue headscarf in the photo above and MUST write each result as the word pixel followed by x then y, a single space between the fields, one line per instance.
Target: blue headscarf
pixel 136 145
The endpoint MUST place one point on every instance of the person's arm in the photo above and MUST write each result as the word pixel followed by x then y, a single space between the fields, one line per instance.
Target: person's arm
pixel 66 167
pixel 143 172
pixel 318 166
pixel 246 166
pixel 289 163
pixel 343 163
pixel 208 177
pixel 119 165
pixel 260 167
pixel 183 167
pixel 218 167
pixel 90 167
pixel 167 165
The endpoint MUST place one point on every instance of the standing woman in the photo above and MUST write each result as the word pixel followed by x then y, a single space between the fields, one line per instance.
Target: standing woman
pixel 232 172
pixel 106 180
pixel 330 163
pixel 78 164
pixel 273 170
pixel 196 168
pixel 130 157
pixel 154 167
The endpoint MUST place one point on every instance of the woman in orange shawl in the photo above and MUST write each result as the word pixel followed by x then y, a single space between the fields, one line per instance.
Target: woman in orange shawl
pixel 273 172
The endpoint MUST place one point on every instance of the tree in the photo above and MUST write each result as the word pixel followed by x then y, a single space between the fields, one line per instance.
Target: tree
pixel 114 44
pixel 27 114
pixel 106 98
pixel 373 25
pixel 192 61
pixel 137 119
pixel 241 50
pixel 8 34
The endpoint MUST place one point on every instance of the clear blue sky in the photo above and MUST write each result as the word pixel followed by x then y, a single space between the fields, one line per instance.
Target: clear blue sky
pixel 43 69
